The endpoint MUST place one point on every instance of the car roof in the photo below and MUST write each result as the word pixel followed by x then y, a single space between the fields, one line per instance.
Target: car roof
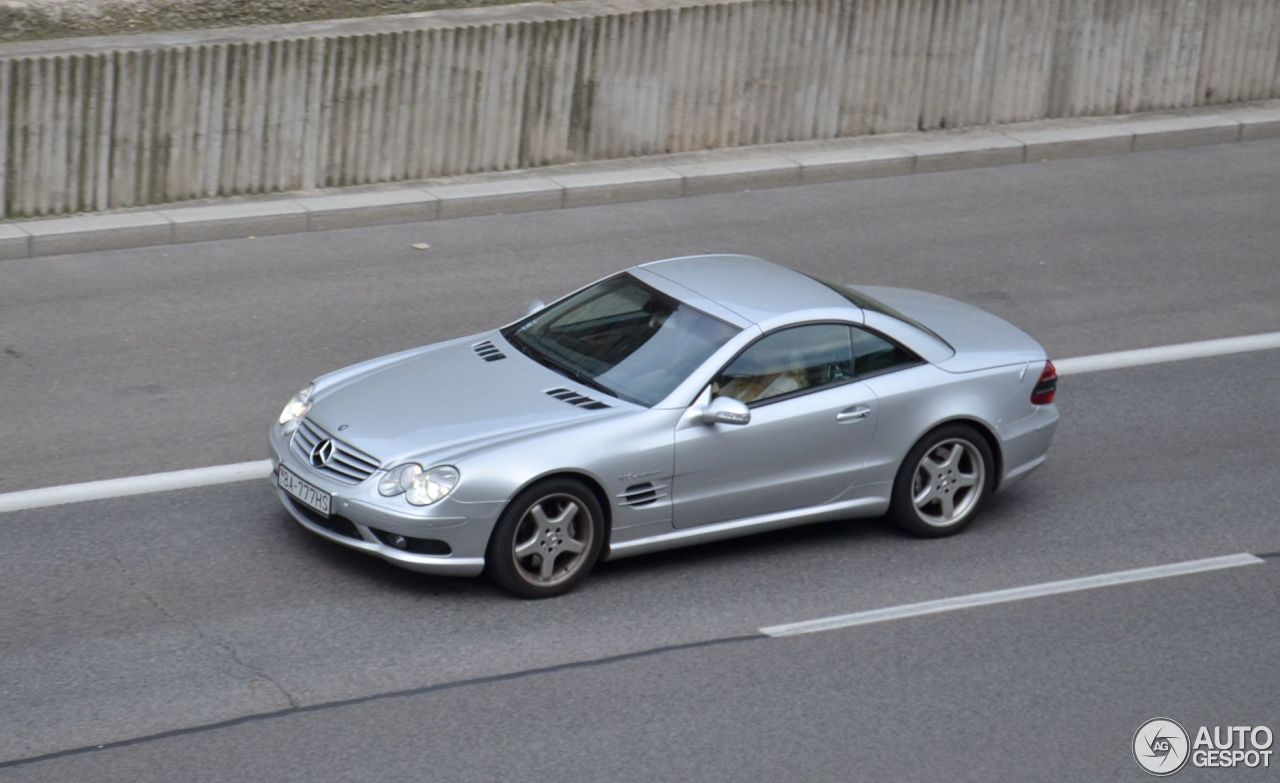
pixel 753 288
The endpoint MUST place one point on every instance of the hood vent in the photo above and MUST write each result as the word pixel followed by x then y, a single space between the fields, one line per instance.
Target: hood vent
pixel 488 351
pixel 573 398
pixel 642 494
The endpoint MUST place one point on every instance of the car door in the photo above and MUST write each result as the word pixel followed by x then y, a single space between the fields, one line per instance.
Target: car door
pixel 810 428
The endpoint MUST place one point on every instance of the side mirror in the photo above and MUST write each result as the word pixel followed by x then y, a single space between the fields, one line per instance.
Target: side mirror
pixel 535 306
pixel 726 410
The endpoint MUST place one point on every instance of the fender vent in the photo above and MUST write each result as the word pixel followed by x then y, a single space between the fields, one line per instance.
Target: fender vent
pixel 488 351
pixel 573 398
pixel 642 494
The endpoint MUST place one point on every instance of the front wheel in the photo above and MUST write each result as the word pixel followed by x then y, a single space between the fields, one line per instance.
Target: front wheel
pixel 547 539
pixel 942 482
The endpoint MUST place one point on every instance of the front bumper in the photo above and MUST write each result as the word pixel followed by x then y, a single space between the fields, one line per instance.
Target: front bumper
pixel 456 534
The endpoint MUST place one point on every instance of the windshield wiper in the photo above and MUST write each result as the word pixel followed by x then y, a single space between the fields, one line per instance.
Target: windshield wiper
pixel 587 380
pixel 541 357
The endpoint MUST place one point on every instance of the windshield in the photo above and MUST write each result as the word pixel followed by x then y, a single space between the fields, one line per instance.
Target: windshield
pixel 622 337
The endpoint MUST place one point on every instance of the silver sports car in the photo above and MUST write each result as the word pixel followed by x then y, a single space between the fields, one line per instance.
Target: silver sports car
pixel 674 403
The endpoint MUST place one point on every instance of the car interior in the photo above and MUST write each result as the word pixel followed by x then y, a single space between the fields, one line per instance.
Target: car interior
pixel 791 360
pixel 806 357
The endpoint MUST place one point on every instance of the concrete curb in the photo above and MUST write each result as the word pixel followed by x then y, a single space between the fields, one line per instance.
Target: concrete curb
pixel 663 176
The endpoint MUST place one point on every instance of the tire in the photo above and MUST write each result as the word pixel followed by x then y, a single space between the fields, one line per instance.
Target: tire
pixel 538 525
pixel 943 482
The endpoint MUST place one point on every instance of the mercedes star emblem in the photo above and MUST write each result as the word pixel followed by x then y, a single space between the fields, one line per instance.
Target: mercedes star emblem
pixel 322 453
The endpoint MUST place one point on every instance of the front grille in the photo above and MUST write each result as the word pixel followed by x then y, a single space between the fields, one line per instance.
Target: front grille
pixel 347 464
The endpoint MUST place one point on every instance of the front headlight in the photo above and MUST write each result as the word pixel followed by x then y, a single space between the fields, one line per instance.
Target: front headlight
pixel 296 408
pixel 420 487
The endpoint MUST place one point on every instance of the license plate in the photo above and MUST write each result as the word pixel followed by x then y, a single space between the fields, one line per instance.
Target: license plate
pixel 312 497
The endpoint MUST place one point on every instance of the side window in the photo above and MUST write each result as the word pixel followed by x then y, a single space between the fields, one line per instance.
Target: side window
pixel 874 354
pixel 788 361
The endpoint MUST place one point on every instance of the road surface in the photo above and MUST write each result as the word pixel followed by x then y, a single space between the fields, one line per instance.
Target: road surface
pixel 200 635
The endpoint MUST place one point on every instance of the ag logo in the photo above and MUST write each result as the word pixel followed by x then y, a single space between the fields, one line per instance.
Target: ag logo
pixel 1161 746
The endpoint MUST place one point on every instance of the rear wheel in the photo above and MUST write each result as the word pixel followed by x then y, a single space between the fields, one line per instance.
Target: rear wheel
pixel 942 482
pixel 547 539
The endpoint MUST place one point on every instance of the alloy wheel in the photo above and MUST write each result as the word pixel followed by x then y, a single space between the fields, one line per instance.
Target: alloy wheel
pixel 552 540
pixel 948 482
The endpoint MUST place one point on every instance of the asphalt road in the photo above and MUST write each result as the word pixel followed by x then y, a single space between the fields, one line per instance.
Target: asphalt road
pixel 1041 691
pixel 147 623
pixel 138 361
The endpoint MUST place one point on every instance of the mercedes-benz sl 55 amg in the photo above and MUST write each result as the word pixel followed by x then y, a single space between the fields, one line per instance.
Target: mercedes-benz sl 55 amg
pixel 673 403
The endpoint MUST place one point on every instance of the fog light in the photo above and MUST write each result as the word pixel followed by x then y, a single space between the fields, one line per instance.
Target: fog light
pixel 396 540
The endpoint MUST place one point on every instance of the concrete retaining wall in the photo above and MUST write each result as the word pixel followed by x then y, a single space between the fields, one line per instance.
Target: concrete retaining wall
pixel 94 124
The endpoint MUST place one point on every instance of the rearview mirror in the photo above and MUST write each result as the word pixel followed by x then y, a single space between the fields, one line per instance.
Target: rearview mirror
pixel 535 306
pixel 726 410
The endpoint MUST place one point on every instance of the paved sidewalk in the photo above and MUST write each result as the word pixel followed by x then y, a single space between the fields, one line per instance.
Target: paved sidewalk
pixel 638 179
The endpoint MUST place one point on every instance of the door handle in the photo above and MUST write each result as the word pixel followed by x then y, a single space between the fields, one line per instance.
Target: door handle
pixel 856 413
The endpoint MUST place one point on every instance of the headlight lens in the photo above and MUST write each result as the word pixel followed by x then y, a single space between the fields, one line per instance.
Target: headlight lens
pixel 420 487
pixel 398 479
pixel 296 408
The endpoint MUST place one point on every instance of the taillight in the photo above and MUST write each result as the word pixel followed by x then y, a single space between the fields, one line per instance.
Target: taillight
pixel 1046 387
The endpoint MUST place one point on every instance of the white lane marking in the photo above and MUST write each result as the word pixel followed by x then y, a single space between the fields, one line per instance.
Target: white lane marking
pixel 243 471
pixel 1167 353
pixel 1011 594
pixel 134 485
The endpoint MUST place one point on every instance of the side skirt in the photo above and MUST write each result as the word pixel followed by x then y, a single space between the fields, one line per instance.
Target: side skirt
pixel 860 507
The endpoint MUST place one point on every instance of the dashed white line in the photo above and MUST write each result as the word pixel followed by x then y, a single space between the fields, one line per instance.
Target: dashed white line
pixel 1012 594
pixel 1167 353
pixel 243 471
pixel 134 485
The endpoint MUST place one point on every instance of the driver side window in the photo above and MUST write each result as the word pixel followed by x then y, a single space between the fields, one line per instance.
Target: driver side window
pixel 788 361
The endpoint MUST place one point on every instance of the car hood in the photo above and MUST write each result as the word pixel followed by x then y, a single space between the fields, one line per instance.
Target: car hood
pixel 980 339
pixel 445 399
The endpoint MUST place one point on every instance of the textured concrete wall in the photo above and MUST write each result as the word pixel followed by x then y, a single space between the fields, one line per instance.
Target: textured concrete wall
pixel 96 124
pixel 22 20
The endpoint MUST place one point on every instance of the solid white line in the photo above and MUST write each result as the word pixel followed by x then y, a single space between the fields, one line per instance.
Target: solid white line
pixel 1012 594
pixel 1167 353
pixel 134 485
pixel 243 471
